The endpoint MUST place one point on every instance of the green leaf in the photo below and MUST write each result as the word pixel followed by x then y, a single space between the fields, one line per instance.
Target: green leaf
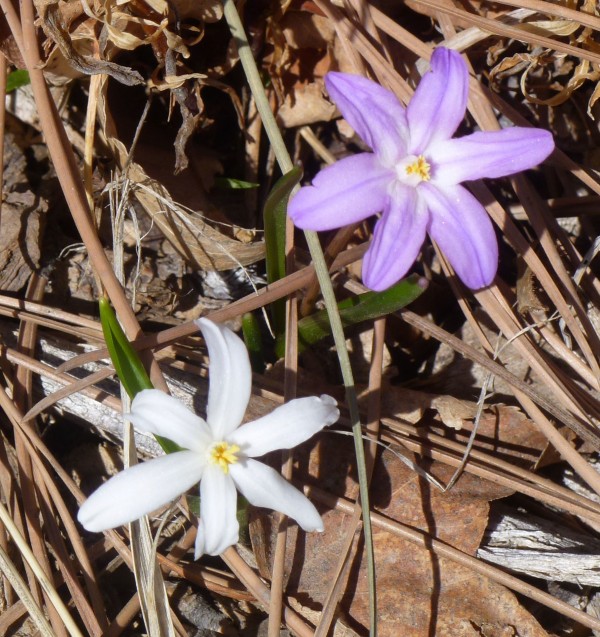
pixel 275 215
pixel 125 359
pixel 127 362
pixel 193 502
pixel 227 183
pixel 16 79
pixel 364 307
pixel 253 340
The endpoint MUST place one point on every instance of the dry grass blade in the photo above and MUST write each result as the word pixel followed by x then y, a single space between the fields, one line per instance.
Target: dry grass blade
pixel 48 587
pixel 12 574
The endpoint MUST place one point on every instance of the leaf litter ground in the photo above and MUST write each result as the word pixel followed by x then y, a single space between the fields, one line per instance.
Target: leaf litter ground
pixel 191 249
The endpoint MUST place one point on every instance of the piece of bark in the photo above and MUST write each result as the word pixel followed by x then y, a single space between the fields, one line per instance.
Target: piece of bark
pixel 537 547
pixel 22 225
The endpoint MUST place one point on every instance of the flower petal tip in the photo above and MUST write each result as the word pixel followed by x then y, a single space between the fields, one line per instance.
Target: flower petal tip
pixel 85 518
pixel 334 413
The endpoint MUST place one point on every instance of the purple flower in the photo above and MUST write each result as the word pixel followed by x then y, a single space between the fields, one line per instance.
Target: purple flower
pixel 414 173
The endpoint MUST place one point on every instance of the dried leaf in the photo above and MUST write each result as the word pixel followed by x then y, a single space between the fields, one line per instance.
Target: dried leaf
pixel 419 594
pixel 201 245
pixel 67 54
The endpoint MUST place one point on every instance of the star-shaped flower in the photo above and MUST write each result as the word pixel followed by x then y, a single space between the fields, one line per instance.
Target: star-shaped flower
pixel 217 452
pixel 414 173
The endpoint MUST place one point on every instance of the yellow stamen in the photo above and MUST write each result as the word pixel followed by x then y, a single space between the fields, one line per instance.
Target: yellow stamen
pixel 224 454
pixel 420 167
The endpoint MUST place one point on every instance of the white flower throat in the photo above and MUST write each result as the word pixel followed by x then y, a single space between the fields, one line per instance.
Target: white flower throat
pixel 413 169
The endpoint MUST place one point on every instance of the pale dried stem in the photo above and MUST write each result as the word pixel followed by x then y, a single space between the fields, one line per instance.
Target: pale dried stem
pixel 22 396
pixel 9 489
pixel 3 76
pixel 94 619
pixel 32 445
pixel 90 130
pixel 64 622
pixel 351 33
pixel 40 310
pixel 465 19
pixel 365 19
pixel 11 573
pixel 558 11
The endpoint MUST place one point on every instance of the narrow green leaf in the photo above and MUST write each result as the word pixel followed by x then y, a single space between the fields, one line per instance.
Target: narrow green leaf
pixel 275 215
pixel 126 361
pixel 364 307
pixel 228 183
pixel 253 340
pixel 16 79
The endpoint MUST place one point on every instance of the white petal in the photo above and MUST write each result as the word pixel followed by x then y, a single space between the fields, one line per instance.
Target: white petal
pixel 230 378
pixel 155 412
pixel 287 426
pixel 140 490
pixel 262 486
pixel 218 527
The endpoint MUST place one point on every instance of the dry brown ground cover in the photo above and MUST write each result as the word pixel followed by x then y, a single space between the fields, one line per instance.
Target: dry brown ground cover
pixel 116 161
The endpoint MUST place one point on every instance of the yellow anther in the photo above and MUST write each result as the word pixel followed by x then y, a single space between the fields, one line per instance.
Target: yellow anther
pixel 224 454
pixel 420 167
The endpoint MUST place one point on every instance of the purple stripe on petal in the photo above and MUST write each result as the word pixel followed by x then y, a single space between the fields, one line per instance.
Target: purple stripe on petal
pixel 373 112
pixel 439 103
pixel 397 239
pixel 349 191
pixel 489 154
pixel 462 229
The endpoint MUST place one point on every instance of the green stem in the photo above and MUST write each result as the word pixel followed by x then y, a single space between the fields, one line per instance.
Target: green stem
pixel 285 165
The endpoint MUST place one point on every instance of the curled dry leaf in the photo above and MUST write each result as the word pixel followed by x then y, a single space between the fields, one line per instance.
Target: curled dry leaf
pixel 72 57
pixel 74 48
pixel 542 70
pixel 305 49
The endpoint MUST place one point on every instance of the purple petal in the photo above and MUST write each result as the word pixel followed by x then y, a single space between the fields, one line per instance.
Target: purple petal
pixel 462 229
pixel 397 239
pixel 489 154
pixel 439 103
pixel 373 112
pixel 349 191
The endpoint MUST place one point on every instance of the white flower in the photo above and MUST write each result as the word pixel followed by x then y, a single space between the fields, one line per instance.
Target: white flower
pixel 217 453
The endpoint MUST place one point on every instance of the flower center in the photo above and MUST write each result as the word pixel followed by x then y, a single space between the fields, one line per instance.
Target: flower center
pixel 224 454
pixel 412 170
